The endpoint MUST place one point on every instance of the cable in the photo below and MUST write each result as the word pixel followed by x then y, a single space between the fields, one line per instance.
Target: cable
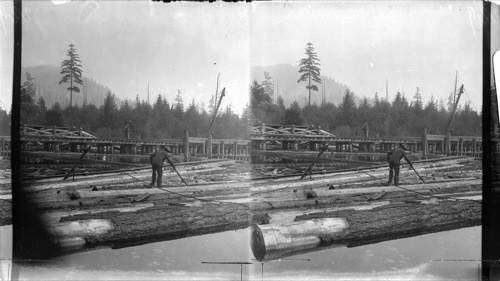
pixel 471 100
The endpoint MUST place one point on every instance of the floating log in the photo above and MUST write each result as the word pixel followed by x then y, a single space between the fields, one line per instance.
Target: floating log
pixel 315 231
pixel 274 241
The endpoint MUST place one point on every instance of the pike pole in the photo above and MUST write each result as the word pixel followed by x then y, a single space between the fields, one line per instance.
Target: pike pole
pixel 85 150
pixel 417 174
pixel 173 167
pixel 314 162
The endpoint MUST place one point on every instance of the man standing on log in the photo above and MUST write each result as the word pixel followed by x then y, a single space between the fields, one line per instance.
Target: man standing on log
pixel 156 159
pixel 394 158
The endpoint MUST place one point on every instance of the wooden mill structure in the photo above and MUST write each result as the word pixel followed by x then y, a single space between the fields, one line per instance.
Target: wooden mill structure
pixel 74 140
pixel 262 138
pixel 296 138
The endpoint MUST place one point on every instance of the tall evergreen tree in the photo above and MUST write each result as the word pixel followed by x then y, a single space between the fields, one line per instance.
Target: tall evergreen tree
pixel 179 105
pixel 309 67
pixel 28 105
pixel 109 110
pixel 417 105
pixel 28 89
pixel 268 85
pixel 71 70
pixel 292 115
pixel 348 109
pixel 54 116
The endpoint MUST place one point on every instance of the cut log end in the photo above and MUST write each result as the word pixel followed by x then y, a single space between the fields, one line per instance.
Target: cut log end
pixel 257 243
pixel 270 242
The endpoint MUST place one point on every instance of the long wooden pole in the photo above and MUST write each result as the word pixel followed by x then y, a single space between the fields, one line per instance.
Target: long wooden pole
pixel 216 110
pixel 175 170
pixel 87 149
pixel 314 162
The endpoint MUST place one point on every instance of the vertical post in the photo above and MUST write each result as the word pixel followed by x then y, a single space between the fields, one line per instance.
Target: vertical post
pixel 185 143
pixel 424 143
pixel 80 131
pixel 263 128
pixel 460 147
pixel 222 149
pixel 474 147
pixel 235 150
pixel 448 143
pixel 218 151
pixel 209 145
pixel 293 129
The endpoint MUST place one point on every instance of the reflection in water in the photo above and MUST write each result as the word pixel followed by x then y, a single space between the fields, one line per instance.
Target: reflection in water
pixel 5 251
pixel 182 259
pixel 6 242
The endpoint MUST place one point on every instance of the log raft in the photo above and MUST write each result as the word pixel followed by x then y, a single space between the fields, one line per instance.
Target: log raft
pixel 119 210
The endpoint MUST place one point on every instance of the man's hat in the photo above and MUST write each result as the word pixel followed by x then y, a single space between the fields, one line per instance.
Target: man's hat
pixel 403 146
pixel 164 147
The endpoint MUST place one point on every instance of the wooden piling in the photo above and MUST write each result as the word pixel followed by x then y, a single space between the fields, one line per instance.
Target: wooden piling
pixel 186 145
pixel 448 143
pixel 460 147
pixel 223 154
pixel 424 143
pixel 209 146
pixel 474 147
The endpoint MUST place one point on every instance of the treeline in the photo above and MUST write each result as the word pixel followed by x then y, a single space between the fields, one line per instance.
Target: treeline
pixel 161 120
pixel 399 117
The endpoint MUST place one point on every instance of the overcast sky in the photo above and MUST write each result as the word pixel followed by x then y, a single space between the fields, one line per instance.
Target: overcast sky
pixel 363 44
pixel 185 45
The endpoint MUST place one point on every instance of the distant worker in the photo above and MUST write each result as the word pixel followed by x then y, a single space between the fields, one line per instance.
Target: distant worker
pixel 156 159
pixel 126 130
pixel 394 158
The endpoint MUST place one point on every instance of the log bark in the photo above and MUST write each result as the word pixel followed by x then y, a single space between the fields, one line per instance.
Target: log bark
pixel 363 227
pixel 158 223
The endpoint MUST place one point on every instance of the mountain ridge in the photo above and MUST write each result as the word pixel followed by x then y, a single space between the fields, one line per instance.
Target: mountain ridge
pixel 47 79
pixel 285 78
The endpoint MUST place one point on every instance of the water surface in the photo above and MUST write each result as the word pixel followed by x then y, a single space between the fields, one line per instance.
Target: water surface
pixel 417 258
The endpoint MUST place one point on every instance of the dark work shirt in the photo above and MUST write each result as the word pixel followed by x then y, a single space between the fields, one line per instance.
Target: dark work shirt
pixel 396 155
pixel 158 158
